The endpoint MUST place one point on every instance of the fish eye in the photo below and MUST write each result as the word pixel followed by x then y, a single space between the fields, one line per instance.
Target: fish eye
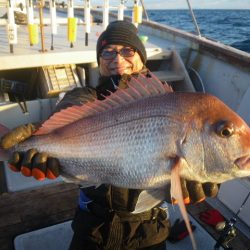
pixel 225 129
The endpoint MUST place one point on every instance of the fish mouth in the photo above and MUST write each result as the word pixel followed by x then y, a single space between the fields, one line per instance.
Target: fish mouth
pixel 243 162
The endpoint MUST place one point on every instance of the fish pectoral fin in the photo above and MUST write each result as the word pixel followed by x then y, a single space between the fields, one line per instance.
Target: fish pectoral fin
pixel 149 199
pixel 176 193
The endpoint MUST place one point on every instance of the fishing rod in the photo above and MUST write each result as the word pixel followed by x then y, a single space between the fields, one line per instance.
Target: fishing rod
pixel 121 8
pixel 11 27
pixel 87 18
pixel 228 232
pixel 105 14
pixel 194 19
pixel 41 5
pixel 144 10
pixel 53 24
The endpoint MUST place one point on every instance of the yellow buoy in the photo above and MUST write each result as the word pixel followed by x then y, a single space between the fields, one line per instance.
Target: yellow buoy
pixel 33 33
pixel 72 29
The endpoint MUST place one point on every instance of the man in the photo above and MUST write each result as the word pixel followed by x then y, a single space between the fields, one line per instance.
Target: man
pixel 103 219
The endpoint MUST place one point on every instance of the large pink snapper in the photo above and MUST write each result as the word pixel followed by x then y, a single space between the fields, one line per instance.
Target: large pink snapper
pixel 137 137
pixel 133 138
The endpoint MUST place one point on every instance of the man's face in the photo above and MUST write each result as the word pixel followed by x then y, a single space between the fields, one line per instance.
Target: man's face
pixel 127 61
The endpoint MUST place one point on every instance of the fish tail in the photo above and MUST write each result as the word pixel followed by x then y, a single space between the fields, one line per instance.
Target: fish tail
pixel 176 193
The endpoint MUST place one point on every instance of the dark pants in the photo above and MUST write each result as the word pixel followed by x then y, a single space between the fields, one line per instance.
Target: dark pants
pixel 119 233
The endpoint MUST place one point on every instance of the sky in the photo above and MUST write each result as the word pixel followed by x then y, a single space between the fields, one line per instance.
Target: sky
pixel 182 4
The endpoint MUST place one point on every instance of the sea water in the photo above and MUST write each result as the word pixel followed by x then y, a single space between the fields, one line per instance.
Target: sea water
pixel 231 27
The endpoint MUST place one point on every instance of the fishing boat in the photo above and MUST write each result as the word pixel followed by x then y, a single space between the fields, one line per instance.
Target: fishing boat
pixel 48 48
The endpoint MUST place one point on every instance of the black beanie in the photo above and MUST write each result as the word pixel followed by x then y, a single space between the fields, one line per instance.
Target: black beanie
pixel 121 33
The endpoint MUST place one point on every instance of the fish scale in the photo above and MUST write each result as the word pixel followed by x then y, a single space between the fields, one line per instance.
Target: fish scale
pixel 124 144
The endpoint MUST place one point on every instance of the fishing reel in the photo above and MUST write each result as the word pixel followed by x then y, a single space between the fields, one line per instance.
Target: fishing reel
pixel 228 233
pixel 227 229
pixel 15 89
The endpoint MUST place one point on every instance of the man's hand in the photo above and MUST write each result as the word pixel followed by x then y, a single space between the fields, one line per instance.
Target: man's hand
pixel 195 192
pixel 33 163
pixel 17 135
pixel 30 163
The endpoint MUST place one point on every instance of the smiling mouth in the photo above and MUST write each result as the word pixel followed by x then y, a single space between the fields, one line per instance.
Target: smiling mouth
pixel 243 162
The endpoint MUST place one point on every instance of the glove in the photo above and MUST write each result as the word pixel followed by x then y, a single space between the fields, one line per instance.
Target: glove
pixel 194 192
pixel 30 163
pixel 33 163
pixel 179 231
pixel 17 135
pixel 211 217
pixel 199 191
pixel 38 164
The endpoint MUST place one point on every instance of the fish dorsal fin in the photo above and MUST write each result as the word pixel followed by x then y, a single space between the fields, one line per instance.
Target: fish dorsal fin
pixel 138 88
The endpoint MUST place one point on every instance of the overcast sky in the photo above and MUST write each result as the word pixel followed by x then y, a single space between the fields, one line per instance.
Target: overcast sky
pixel 182 4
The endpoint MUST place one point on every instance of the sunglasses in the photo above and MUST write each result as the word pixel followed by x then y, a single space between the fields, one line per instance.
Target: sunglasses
pixel 111 54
